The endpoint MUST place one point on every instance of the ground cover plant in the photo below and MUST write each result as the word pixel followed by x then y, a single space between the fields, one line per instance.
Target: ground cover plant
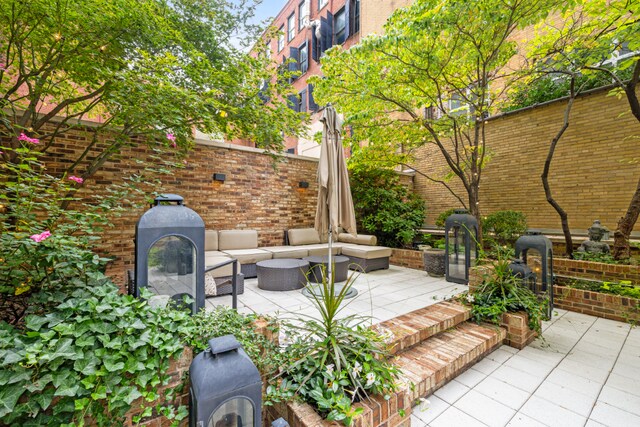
pixel 333 361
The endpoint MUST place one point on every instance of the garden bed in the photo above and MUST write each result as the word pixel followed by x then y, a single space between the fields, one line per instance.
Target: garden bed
pixel 409 258
pixel 608 306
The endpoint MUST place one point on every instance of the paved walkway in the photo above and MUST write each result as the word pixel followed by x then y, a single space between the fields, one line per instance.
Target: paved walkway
pixel 585 372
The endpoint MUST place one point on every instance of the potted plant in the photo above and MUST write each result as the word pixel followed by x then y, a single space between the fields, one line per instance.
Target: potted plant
pixel 434 259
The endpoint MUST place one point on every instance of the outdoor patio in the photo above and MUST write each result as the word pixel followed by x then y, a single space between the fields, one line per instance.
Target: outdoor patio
pixel 583 373
pixel 382 295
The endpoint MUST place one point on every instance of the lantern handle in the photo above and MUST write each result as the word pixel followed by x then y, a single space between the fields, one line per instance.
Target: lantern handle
pixel 223 344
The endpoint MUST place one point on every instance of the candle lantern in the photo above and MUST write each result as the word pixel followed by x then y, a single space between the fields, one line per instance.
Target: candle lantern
pixel 461 246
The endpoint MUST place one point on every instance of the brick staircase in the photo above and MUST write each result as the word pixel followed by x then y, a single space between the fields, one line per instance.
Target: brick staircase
pixel 435 344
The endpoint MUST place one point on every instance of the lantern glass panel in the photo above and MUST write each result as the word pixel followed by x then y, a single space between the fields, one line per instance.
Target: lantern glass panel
pixel 237 412
pixel 457 268
pixel 171 270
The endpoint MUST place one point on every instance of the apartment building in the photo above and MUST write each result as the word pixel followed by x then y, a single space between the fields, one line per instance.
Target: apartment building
pixel 307 28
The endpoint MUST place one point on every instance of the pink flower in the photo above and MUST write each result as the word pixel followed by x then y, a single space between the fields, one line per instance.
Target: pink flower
pixel 171 137
pixel 24 137
pixel 76 179
pixel 40 237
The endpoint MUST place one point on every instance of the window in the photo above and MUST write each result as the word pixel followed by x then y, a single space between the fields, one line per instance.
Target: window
pixel 267 49
pixel 356 17
pixel 291 150
pixel 303 58
pixel 281 39
pixel 322 3
pixel 302 14
pixel 302 101
pixel 340 26
pixel 291 27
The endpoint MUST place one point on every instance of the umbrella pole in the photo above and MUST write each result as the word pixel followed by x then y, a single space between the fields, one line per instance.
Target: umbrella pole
pixel 329 261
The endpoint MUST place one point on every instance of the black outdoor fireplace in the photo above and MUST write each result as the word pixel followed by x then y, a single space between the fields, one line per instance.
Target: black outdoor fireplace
pixel 461 245
pixel 226 389
pixel 170 253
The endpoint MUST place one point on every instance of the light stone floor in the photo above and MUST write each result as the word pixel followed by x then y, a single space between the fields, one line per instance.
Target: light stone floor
pixel 584 372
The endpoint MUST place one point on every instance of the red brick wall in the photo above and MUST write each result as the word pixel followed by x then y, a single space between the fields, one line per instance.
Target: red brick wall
pixel 258 192
pixel 595 270
pixel 614 307
pixel 407 258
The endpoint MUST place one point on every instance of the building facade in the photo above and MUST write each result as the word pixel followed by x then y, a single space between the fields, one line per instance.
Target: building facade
pixel 307 28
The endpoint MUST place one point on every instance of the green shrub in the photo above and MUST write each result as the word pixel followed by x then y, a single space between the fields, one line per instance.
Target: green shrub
pixel 623 288
pixel 440 220
pixel 504 227
pixel 384 207
pixel 601 257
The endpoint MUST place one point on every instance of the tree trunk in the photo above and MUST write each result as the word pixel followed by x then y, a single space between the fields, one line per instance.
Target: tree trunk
pixel 564 220
pixel 621 249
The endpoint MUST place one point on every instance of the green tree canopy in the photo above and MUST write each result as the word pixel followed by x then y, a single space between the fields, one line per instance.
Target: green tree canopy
pixel 140 67
pixel 432 78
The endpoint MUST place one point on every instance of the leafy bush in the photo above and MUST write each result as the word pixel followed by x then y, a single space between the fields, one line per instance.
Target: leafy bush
pixel 502 292
pixel 504 227
pixel 601 257
pixel 333 361
pixel 440 220
pixel 384 207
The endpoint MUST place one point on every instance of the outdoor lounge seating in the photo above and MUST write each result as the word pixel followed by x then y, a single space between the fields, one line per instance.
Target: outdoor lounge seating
pixel 242 245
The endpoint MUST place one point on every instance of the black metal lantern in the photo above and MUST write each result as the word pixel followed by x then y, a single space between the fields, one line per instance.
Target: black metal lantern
pixel 170 253
pixel 522 271
pixel 535 240
pixel 461 245
pixel 226 389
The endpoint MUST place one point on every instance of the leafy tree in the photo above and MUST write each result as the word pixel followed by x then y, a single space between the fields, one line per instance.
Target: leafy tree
pixel 433 78
pixel 591 40
pixel 384 207
pixel 154 69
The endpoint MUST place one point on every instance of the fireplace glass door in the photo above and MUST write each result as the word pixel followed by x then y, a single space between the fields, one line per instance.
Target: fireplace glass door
pixel 171 270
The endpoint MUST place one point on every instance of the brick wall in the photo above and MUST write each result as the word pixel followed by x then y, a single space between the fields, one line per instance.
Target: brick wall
pixel 407 258
pixel 258 193
pixel 614 307
pixel 591 176
pixel 595 270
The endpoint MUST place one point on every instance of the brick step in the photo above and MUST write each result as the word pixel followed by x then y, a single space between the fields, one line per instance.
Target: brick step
pixel 430 364
pixel 417 326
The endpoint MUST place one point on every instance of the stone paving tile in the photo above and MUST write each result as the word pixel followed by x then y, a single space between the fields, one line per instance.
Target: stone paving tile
pixel 454 417
pixel 485 409
pixel 551 414
pixel 451 392
pixel 502 392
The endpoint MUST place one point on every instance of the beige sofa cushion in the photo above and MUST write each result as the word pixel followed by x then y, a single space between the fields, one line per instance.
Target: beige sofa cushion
pixel 360 239
pixel 366 252
pixel 303 236
pixel 237 239
pixel 323 249
pixel 210 240
pixel 287 251
pixel 249 256
pixel 211 260
pixel 215 254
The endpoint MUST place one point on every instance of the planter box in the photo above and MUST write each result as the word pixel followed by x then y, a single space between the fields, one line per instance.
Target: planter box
pixel 407 258
pixel 563 267
pixel 518 333
pixel 377 412
pixel 608 306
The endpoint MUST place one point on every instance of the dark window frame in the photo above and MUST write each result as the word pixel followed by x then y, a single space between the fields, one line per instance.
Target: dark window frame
pixel 300 11
pixel 302 101
pixel 303 65
pixel 356 17
pixel 341 32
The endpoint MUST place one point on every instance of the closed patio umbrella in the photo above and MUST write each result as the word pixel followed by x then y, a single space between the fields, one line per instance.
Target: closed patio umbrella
pixel 335 211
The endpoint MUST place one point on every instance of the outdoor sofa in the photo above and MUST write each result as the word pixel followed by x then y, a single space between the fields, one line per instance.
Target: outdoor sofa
pixel 242 245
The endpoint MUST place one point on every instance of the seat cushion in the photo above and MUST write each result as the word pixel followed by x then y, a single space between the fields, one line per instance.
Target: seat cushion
pixel 323 249
pixel 210 240
pixel 214 253
pixel 227 270
pixel 237 239
pixel 287 251
pixel 366 252
pixel 303 236
pixel 360 239
pixel 249 256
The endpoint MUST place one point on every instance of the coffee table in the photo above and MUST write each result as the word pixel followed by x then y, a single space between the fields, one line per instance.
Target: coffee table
pixel 282 274
pixel 319 263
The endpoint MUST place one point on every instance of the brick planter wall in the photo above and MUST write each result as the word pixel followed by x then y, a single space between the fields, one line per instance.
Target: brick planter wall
pixel 614 307
pixel 518 333
pixel 407 258
pixel 595 270
pixel 377 412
